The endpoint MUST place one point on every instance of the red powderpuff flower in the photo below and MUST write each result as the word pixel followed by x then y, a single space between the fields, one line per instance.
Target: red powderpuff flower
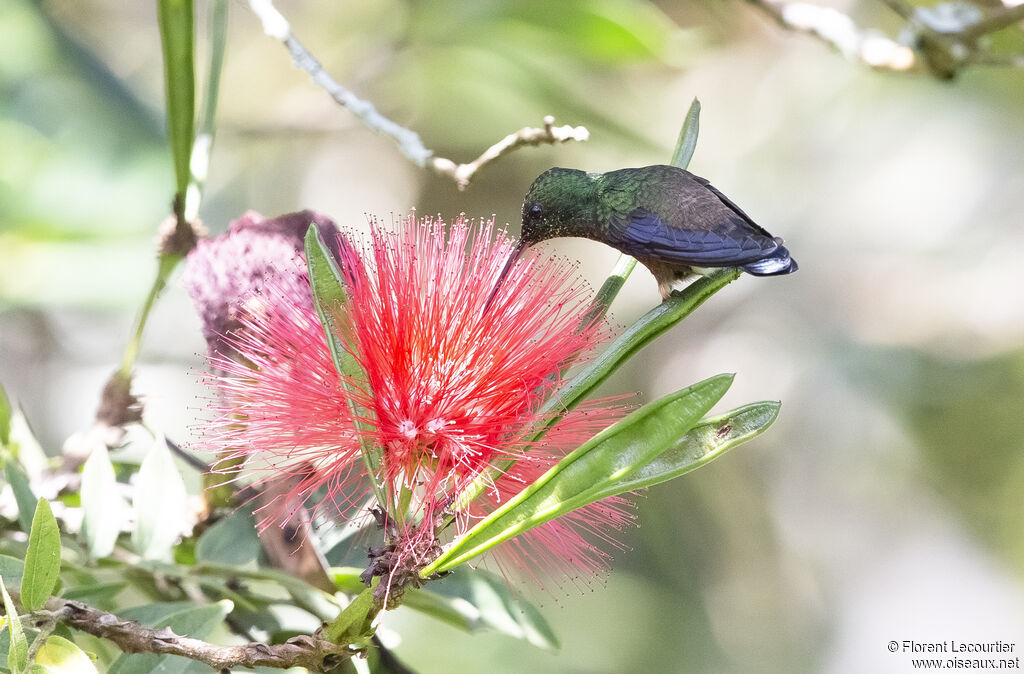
pixel 448 388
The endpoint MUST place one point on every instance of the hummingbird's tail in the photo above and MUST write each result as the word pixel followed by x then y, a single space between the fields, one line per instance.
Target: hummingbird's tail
pixel 779 262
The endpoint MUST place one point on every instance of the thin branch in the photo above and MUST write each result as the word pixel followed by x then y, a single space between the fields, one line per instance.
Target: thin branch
pixel 942 52
pixel 131 637
pixel 550 134
pixel 997 21
pixel 409 143
pixel 840 32
pixel 904 9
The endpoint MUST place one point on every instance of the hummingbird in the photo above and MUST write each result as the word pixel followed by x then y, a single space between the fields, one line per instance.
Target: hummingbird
pixel 673 222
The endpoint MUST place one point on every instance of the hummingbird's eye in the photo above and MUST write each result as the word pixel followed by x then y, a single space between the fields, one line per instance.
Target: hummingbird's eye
pixel 536 209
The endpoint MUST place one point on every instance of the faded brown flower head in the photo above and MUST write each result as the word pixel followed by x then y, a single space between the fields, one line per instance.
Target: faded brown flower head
pixel 226 275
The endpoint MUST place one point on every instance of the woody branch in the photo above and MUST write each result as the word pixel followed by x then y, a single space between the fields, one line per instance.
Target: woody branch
pixel 303 651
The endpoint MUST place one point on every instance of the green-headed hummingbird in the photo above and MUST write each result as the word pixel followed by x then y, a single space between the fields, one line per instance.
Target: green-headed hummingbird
pixel 673 222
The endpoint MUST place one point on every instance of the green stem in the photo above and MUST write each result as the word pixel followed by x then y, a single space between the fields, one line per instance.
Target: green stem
pixel 166 265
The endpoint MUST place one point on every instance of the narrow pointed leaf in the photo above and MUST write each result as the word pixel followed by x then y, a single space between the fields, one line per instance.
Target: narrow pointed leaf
pixel 646 329
pixel 159 502
pixel 42 559
pixel 482 601
pixel 353 623
pixel 202 146
pixel 330 299
pixel 11 570
pixel 17 650
pixel 95 592
pixel 605 459
pixel 687 142
pixel 177 35
pixel 347 580
pixel 5 417
pixel 25 446
pixel 650 326
pixel 453 611
pixel 102 506
pixel 23 495
pixel 61 655
pixel 232 541
pixel 702 444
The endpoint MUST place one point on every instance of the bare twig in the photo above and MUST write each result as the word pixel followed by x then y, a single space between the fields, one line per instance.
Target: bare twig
pixel 131 637
pixel 409 143
pixel 550 134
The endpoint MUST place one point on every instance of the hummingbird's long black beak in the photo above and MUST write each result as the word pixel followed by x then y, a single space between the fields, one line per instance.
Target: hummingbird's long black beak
pixel 516 252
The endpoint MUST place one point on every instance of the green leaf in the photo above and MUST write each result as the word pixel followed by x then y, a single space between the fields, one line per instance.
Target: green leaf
pixel 17 651
pixel 454 611
pixel 177 34
pixel 232 541
pixel 353 624
pixel 329 296
pixel 650 326
pixel 23 495
pixel 590 470
pixel 481 601
pixel 25 446
pixel 702 444
pixel 12 569
pixel 42 560
pixel 184 619
pixel 687 143
pixel 61 655
pixel 330 299
pixel 347 580
pixel 102 505
pixel 159 502
pixel 6 411
pixel 202 146
pixel 95 592
pixel 311 599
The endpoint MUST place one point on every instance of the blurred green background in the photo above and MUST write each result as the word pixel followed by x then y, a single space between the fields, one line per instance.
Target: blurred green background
pixel 887 503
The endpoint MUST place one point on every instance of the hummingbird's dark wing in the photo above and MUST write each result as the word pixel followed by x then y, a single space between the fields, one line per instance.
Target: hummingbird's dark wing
pixel 669 215
pixel 646 235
